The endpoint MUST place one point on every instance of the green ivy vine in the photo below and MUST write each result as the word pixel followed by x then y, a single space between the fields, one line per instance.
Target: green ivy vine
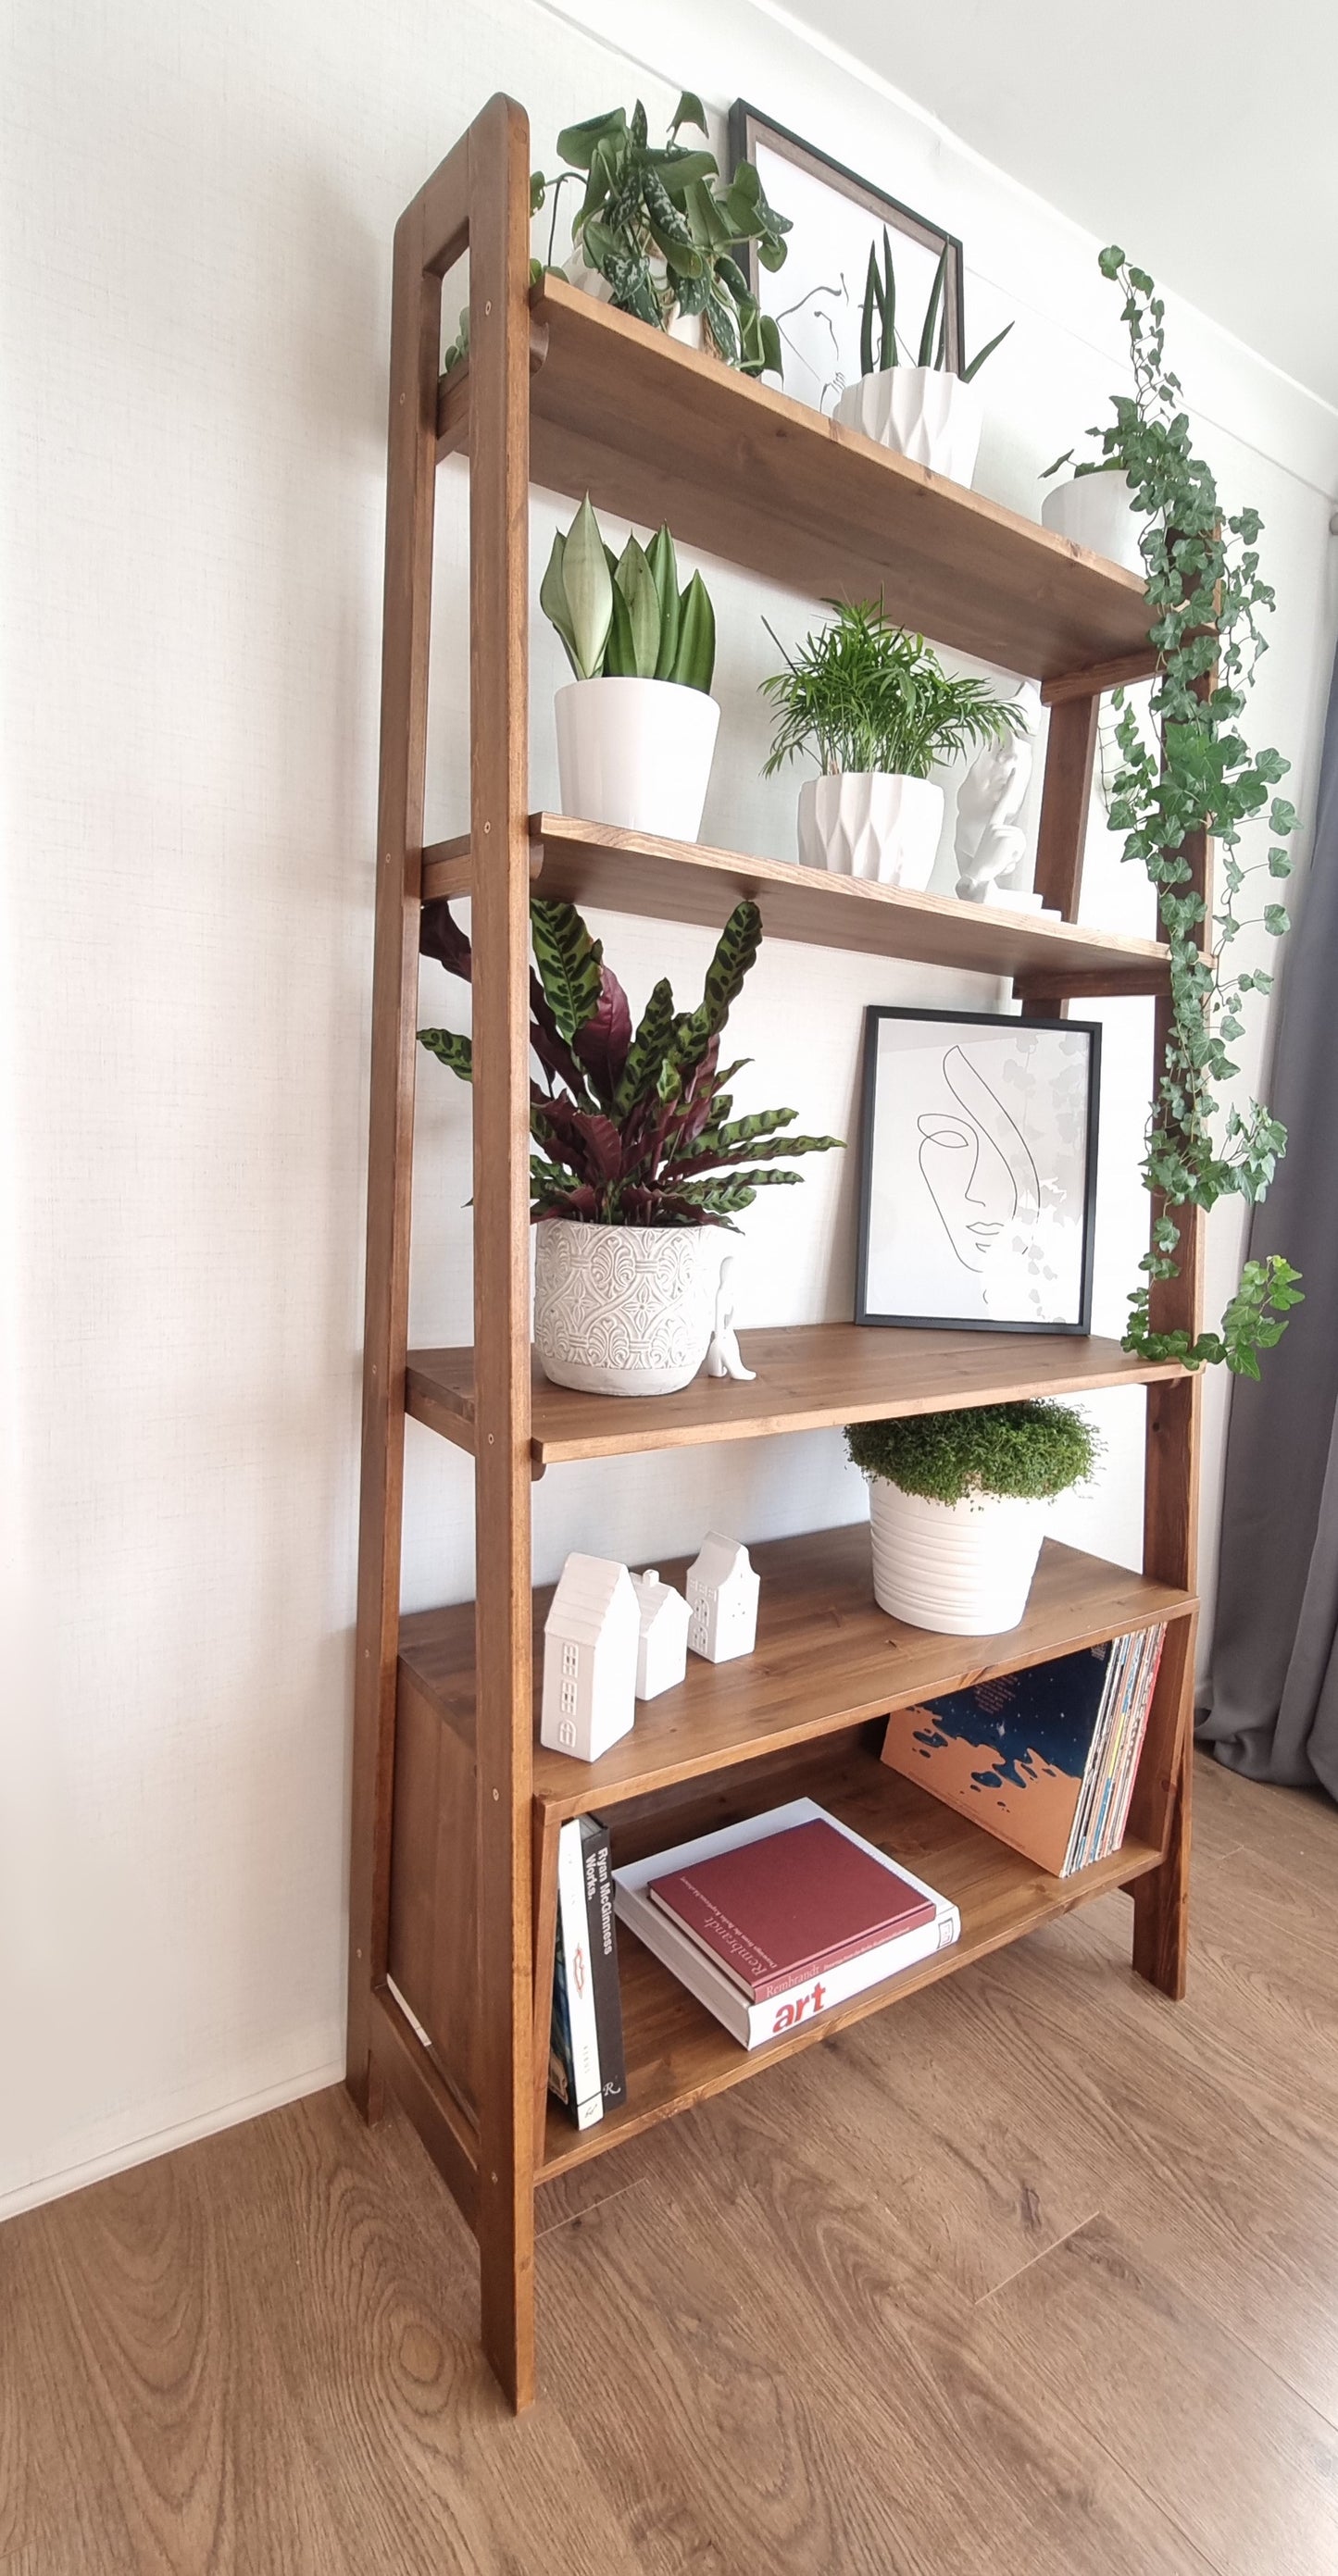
pixel 1204 586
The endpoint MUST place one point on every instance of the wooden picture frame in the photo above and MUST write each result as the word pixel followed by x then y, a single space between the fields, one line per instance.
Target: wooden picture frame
pixel 750 131
pixel 960 1195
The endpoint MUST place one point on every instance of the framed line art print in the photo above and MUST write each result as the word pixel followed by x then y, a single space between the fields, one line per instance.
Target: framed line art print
pixel 978 1171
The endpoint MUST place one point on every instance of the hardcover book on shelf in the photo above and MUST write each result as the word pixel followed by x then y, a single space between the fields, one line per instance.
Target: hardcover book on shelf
pixel 753 2022
pixel 602 1932
pixel 1044 1758
pixel 777 1913
pixel 573 2053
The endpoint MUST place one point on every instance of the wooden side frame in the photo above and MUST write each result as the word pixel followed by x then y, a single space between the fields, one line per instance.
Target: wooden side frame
pixel 1161 1810
pixel 478 199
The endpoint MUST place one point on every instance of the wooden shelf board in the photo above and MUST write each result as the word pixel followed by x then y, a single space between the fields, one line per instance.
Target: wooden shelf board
pixel 678 2054
pixel 826 1658
pixel 632 872
pixel 809 1376
pixel 654 431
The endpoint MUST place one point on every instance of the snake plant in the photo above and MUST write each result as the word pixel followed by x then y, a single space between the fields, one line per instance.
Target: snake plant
pixel 880 303
pixel 623 617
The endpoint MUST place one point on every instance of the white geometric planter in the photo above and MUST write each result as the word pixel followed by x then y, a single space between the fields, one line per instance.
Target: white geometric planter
pixel 623 1309
pixel 1096 511
pixel 636 754
pixel 863 823
pixel 926 413
pixel 964 1568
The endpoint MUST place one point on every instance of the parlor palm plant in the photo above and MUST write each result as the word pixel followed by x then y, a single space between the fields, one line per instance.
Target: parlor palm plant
pixel 873 705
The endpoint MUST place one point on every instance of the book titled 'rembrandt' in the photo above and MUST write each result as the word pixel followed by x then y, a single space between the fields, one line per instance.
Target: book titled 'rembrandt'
pixel 776 1913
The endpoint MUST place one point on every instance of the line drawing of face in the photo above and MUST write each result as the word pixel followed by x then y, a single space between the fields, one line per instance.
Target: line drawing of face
pixel 977 1165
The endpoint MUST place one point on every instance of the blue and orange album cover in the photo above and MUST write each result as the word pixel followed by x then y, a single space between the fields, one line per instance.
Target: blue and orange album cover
pixel 1011 1754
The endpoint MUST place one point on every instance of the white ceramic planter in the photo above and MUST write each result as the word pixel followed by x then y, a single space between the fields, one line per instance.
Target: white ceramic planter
pixel 863 823
pixel 636 754
pixel 964 1568
pixel 1095 511
pixel 623 1309
pixel 926 413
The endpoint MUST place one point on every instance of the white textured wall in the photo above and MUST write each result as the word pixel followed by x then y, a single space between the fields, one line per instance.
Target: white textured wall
pixel 199 210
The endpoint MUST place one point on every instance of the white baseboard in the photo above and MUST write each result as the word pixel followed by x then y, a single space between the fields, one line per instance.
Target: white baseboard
pixel 182 2133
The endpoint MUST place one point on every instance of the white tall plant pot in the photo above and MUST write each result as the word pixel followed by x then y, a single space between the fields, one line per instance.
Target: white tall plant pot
pixel 624 1309
pixel 636 754
pixel 1097 511
pixel 863 823
pixel 926 413
pixel 964 1568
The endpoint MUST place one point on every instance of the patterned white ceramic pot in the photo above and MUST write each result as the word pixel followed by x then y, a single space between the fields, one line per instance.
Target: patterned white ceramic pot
pixel 1097 511
pixel 865 823
pixel 624 1309
pixel 926 413
pixel 964 1568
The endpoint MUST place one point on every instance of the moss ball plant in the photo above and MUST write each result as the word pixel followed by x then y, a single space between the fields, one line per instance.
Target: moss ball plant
pixel 1024 1451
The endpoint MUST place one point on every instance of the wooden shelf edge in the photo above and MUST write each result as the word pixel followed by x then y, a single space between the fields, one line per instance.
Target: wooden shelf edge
pixel 565 2149
pixel 641 874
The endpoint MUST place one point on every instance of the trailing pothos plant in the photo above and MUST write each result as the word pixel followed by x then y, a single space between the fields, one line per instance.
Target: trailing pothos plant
pixel 632 1126
pixel 1204 585
pixel 661 231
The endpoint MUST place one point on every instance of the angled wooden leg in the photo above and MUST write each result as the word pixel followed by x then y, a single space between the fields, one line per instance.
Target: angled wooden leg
pixel 499 367
pixel 1160 1813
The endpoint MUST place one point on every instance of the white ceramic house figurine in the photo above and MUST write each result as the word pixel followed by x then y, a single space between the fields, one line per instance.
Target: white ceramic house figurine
pixel 990 842
pixel 722 1593
pixel 662 1654
pixel 724 1358
pixel 591 1637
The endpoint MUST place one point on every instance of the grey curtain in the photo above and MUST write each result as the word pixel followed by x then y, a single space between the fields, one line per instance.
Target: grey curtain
pixel 1273 1702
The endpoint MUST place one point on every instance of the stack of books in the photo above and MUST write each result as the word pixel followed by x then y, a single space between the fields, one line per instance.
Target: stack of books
pixel 586 2068
pixel 1045 1758
pixel 772 1921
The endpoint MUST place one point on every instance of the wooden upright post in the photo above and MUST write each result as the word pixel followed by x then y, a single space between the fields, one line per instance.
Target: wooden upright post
pixel 415 352
pixel 499 481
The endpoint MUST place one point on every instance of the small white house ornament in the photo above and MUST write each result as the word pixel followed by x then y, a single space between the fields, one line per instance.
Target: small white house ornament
pixel 722 1594
pixel 591 1637
pixel 662 1653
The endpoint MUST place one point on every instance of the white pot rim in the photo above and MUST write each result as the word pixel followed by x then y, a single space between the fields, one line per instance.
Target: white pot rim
pixel 633 680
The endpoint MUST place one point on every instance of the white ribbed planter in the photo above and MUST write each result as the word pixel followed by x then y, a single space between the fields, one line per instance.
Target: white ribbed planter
pixel 864 823
pixel 926 413
pixel 623 1309
pixel 964 1568
pixel 1095 511
pixel 636 754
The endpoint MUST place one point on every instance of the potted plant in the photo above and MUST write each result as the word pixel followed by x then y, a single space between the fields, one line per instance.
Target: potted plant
pixel 656 235
pixel 638 1159
pixel 929 412
pixel 636 728
pixel 876 708
pixel 957 1508
pixel 1095 509
pixel 1207 599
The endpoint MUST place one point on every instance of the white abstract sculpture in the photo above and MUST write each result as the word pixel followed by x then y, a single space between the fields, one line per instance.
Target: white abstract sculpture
pixel 722 1593
pixel 990 842
pixel 724 1358
pixel 662 1654
pixel 591 1638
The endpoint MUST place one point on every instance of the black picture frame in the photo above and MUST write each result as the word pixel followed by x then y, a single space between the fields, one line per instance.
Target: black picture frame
pixel 748 127
pixel 876 1013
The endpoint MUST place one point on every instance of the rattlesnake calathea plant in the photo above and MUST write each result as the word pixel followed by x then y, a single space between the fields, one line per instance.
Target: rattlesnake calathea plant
pixel 1204 586
pixel 632 1126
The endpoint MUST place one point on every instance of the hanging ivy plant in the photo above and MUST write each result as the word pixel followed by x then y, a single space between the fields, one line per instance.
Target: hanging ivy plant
pixel 1204 587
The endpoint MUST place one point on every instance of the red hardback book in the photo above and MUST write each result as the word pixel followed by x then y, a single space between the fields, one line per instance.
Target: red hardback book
pixel 778 1911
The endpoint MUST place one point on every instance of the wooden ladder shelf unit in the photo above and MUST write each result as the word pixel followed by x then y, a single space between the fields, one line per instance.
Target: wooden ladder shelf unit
pixel 455 1811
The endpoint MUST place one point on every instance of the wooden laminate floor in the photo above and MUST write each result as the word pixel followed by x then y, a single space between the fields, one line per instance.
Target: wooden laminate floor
pixel 1034 2276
